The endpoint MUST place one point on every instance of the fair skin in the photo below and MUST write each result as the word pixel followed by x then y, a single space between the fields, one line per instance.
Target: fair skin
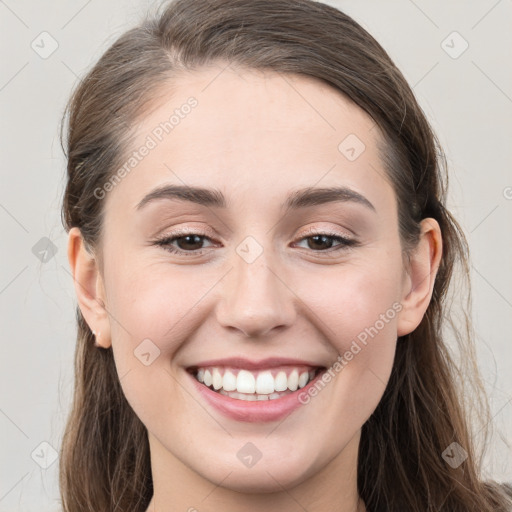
pixel 256 137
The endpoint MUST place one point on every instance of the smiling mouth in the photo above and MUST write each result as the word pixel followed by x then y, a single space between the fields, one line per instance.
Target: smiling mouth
pixel 261 385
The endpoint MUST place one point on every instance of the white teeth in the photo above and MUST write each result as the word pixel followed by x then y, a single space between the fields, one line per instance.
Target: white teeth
pixel 245 382
pixel 216 379
pixel 251 397
pixel 281 382
pixel 229 381
pixel 239 396
pixel 293 380
pixel 303 379
pixel 265 383
pixel 262 385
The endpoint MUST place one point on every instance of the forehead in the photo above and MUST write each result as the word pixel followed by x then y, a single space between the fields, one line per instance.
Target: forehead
pixel 251 133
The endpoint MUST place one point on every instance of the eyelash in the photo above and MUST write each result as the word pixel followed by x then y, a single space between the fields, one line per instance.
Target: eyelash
pixel 165 242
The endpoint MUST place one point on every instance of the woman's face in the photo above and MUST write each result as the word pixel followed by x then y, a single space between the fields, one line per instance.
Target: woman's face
pixel 256 296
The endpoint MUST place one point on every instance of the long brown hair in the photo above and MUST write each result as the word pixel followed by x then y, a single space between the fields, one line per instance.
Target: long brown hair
pixel 105 462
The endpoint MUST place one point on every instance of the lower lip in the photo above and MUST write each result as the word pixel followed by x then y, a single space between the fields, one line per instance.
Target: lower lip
pixel 253 411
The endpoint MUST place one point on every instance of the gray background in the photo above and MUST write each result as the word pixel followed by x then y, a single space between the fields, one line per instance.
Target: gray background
pixel 468 100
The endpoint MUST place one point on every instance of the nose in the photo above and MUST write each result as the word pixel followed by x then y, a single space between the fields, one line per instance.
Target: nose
pixel 255 299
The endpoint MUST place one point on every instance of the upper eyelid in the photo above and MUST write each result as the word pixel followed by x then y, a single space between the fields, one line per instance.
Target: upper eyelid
pixel 344 232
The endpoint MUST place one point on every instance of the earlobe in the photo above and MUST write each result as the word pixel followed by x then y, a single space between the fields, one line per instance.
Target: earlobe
pixel 89 287
pixel 421 274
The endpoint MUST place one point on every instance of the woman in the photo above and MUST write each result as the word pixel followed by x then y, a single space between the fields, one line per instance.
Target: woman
pixel 262 253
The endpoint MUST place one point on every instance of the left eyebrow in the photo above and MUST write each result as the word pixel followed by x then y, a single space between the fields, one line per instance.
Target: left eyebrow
pixel 301 198
pixel 311 196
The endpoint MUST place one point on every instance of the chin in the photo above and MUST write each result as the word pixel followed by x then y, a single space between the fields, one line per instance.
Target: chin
pixel 262 480
pixel 266 476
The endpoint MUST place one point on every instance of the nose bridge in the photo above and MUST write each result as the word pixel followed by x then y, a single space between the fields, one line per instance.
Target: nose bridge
pixel 255 299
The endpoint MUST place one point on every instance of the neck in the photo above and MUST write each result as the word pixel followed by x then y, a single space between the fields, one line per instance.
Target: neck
pixel 177 488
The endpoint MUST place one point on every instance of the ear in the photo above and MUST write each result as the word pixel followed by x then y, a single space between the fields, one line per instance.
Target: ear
pixel 420 276
pixel 89 288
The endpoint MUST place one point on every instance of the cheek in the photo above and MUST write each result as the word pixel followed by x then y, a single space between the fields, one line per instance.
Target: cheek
pixel 354 298
pixel 356 309
pixel 152 313
pixel 155 302
pixel 153 310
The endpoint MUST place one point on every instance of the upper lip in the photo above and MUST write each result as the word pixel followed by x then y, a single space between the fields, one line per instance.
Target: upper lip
pixel 262 364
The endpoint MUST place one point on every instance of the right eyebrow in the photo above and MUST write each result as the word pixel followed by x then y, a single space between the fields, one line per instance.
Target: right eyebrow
pixel 199 195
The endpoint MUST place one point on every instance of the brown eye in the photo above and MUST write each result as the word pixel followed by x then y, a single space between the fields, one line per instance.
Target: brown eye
pixel 320 242
pixel 188 244
pixel 324 242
